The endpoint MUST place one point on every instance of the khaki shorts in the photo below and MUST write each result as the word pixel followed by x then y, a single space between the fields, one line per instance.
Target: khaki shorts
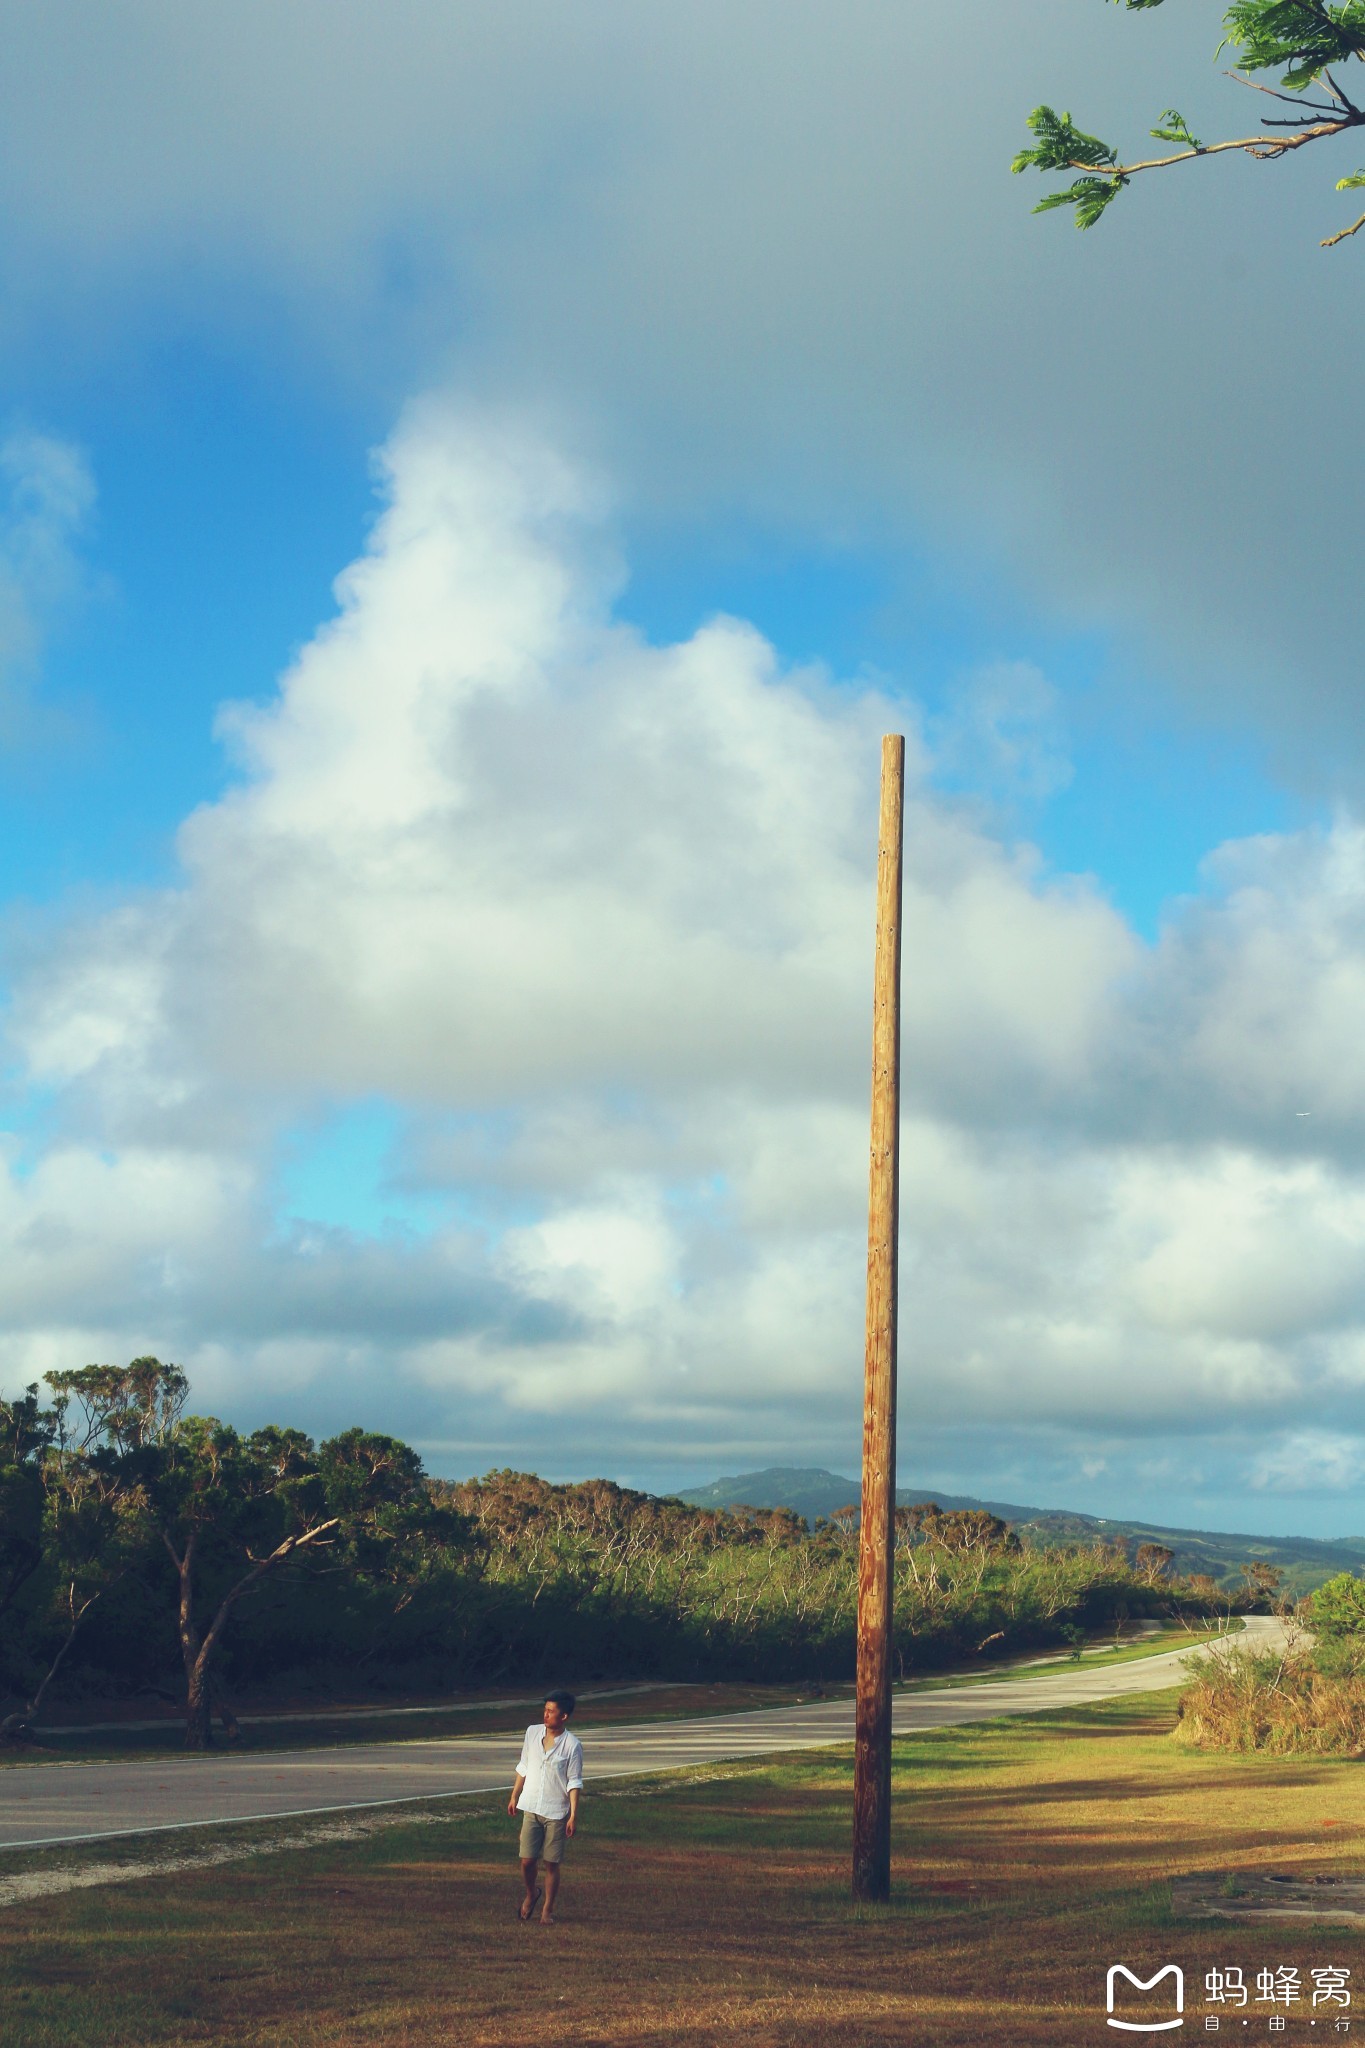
pixel 541 1838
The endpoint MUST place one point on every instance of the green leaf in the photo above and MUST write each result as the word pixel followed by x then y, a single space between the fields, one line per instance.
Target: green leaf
pixel 1305 36
pixel 1061 145
pixel 1089 196
pixel 1350 184
pixel 1175 128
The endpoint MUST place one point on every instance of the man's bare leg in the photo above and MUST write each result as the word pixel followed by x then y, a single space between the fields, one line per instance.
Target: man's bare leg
pixel 528 1878
pixel 551 1887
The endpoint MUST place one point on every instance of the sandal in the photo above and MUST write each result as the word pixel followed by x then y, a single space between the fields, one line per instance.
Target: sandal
pixel 527 1909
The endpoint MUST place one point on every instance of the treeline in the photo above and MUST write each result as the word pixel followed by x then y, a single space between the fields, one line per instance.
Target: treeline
pixel 596 1578
pixel 145 1549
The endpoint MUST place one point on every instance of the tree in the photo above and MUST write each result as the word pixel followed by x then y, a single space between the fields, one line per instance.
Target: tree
pixel 1263 1581
pixel 1307 42
pixel 233 1512
pixel 92 1536
pixel 65 1534
pixel 1153 1563
pixel 969 1530
pixel 26 1432
pixel 1337 1609
pixel 228 1510
pixel 1336 1615
pixel 399 1536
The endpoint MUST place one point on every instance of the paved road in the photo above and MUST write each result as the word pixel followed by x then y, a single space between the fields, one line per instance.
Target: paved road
pixel 50 1803
pixel 167 1724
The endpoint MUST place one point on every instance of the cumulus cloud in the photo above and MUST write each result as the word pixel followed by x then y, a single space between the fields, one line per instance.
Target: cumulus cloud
pixel 1261 983
pixel 489 843
pixel 595 917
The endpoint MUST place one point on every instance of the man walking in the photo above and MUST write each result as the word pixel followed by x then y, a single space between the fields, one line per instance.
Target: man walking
pixel 548 1782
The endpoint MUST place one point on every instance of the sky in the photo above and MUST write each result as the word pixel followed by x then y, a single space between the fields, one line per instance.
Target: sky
pixel 475 485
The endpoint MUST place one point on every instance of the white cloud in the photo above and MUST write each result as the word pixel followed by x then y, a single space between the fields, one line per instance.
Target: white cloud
pixel 1309 1461
pixel 1262 984
pixel 613 1261
pixel 596 917
pixel 490 844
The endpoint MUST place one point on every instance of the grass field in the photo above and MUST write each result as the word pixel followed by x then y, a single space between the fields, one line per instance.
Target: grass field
pixel 713 1909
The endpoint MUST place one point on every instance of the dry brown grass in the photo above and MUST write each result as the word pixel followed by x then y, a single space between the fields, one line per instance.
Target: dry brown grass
pixel 1279 1705
pixel 1029 1855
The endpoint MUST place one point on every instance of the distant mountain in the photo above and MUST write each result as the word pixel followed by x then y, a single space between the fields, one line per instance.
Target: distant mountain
pixel 812 1491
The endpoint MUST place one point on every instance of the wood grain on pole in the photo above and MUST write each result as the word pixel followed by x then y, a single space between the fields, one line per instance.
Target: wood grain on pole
pixel 876 1535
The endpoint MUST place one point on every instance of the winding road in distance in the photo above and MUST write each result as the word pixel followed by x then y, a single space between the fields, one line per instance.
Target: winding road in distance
pixel 49 1803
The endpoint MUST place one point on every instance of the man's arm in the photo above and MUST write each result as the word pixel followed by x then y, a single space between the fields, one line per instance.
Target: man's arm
pixel 575 1784
pixel 518 1782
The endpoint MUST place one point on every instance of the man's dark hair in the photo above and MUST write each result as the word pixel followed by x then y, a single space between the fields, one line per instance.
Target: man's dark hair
pixel 565 1701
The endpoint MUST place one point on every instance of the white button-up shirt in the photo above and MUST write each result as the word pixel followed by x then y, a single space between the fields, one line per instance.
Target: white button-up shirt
pixel 550 1774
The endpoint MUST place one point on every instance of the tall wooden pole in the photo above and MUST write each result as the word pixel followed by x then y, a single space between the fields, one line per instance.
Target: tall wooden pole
pixel 876 1536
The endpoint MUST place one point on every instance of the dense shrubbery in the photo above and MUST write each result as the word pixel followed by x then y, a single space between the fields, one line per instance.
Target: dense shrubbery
pixel 144 1548
pixel 602 1580
pixel 1280 1703
pixel 1308 1699
pixel 1336 1615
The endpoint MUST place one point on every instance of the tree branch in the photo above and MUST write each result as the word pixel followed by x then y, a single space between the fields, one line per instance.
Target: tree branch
pixel 1290 99
pixel 78 1615
pixel 1339 93
pixel 1264 147
pixel 277 1556
pixel 1344 236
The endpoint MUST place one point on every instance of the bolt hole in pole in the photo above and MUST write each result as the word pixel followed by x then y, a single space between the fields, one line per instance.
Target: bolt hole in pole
pixel 876 1548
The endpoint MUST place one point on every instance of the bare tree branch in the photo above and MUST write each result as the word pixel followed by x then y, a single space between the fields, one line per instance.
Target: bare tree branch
pixel 1291 99
pixel 1264 147
pixel 1345 234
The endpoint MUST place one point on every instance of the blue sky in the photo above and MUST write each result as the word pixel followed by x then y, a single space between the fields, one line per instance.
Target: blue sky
pixel 466 1036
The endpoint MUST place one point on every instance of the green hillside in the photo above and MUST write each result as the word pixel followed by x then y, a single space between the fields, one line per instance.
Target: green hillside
pixel 813 1491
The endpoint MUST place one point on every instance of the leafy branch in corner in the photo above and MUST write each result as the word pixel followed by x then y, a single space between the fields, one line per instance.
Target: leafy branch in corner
pixel 1308 42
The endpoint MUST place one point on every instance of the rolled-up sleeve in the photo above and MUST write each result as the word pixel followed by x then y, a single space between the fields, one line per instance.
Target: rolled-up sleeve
pixel 574 1767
